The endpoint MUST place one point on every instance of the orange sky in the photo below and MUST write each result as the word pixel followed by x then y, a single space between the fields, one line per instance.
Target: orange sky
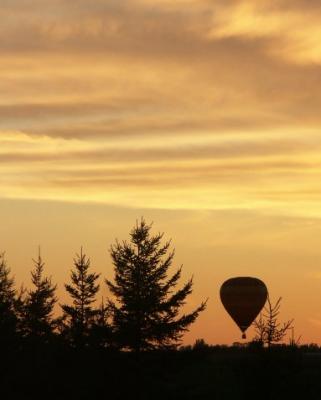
pixel 203 116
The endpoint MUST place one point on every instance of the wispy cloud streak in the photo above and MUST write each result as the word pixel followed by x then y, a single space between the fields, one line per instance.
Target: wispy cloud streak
pixel 173 104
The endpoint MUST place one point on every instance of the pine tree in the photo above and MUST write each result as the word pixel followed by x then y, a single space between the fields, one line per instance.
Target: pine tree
pixel 8 318
pixel 83 289
pixel 39 303
pixel 147 312
pixel 268 328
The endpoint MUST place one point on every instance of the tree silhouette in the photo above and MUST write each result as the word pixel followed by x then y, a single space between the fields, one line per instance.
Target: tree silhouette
pixel 147 312
pixel 83 289
pixel 39 303
pixel 101 331
pixel 267 327
pixel 8 318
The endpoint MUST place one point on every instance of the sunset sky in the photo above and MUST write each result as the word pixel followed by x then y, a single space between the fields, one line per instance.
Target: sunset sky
pixel 202 116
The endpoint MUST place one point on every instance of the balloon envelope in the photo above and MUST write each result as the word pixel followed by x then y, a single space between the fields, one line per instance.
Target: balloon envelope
pixel 243 298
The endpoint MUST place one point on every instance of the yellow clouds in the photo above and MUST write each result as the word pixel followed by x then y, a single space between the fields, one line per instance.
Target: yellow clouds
pixel 293 27
pixel 183 104
pixel 229 171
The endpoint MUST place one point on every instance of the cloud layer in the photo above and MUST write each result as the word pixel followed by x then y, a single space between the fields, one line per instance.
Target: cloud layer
pixel 166 104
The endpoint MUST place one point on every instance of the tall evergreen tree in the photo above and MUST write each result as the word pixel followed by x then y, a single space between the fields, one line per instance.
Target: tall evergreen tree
pixel 147 312
pixel 83 289
pixel 39 303
pixel 8 318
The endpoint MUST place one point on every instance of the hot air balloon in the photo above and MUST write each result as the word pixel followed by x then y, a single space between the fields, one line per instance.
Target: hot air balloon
pixel 243 298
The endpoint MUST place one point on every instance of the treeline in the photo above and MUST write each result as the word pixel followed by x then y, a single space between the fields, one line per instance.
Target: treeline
pixel 123 347
pixel 144 312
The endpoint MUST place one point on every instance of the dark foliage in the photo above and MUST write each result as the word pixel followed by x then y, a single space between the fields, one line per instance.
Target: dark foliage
pixel 8 304
pixel 220 373
pixel 84 360
pixel 79 317
pixel 101 332
pixel 268 328
pixel 38 306
pixel 147 315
